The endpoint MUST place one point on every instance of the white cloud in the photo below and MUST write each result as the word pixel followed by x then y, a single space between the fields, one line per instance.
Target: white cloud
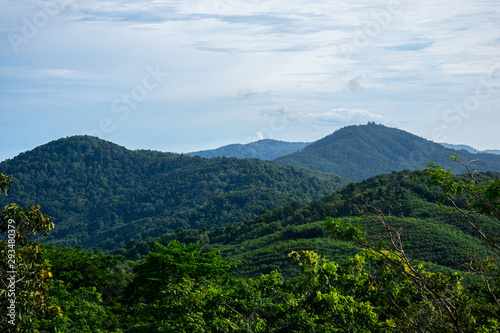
pixel 54 73
pixel 282 119
pixel 343 117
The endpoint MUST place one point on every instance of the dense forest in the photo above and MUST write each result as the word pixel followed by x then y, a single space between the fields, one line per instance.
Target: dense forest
pixel 411 251
pixel 102 195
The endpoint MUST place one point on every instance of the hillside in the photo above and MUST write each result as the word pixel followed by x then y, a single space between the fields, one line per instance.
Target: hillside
pixel 262 244
pixel 102 194
pixel 263 149
pixel 360 152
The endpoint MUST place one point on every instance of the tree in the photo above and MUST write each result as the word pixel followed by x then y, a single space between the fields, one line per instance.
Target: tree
pixel 84 287
pixel 24 269
pixel 483 199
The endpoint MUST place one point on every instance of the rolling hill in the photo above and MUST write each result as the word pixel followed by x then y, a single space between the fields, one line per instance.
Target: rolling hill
pixel 102 194
pixel 407 198
pixel 363 151
pixel 266 150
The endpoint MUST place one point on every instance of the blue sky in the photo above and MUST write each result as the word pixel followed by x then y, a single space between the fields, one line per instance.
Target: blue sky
pixel 188 75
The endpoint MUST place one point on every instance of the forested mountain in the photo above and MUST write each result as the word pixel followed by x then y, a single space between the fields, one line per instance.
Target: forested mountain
pixel 406 197
pixel 102 194
pixel 360 152
pixel 266 149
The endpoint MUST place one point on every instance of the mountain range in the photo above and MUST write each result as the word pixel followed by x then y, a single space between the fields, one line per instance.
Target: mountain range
pixel 359 152
pixel 266 150
pixel 104 195
pixel 471 149
pixel 269 149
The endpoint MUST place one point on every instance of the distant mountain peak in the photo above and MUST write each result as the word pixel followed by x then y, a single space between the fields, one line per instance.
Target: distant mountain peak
pixel 361 151
pixel 470 149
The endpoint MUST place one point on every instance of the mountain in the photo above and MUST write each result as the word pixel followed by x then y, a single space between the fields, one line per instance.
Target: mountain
pixel 266 150
pixel 102 194
pixel 461 147
pixel 470 149
pixel 407 199
pixel 362 151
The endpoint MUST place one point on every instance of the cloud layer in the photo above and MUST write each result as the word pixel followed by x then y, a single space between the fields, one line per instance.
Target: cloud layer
pixel 231 64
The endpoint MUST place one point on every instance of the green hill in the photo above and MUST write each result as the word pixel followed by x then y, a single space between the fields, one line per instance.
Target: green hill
pixel 263 149
pixel 406 197
pixel 102 194
pixel 360 152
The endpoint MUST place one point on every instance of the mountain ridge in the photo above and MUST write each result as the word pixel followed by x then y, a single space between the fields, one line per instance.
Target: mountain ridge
pixel 100 190
pixel 266 149
pixel 471 149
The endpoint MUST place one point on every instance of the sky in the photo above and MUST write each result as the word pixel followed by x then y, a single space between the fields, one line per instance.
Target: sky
pixel 182 76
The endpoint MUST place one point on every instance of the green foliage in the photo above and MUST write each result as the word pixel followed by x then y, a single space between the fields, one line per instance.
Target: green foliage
pixel 483 198
pixel 186 297
pixel 378 289
pixel 24 269
pixel 174 289
pixel 81 268
pixel 80 310
pixel 84 289
pixel 51 289
pixel 345 231
pixel 436 301
pixel 171 265
pixel 5 183
pixel 23 223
